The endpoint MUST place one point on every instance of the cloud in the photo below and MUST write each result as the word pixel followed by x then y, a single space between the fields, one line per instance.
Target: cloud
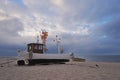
pixel 84 26
pixel 9 30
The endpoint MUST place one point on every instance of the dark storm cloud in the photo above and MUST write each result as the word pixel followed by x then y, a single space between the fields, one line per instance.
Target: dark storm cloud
pixel 113 29
pixel 105 38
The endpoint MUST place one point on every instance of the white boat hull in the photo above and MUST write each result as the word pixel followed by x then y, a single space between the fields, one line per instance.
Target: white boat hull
pixel 33 58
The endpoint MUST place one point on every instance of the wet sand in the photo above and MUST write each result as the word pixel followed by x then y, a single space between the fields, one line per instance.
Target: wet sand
pixel 9 70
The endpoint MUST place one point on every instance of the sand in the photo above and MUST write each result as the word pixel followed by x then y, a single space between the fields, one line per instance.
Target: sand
pixel 69 71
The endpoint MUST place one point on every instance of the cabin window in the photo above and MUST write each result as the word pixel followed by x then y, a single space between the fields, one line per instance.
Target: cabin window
pixel 35 47
pixel 40 47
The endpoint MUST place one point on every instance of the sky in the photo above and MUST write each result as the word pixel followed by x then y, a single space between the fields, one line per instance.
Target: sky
pixel 84 26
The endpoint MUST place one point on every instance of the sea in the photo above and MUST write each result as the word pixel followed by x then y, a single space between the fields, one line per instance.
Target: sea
pixel 90 58
pixel 101 58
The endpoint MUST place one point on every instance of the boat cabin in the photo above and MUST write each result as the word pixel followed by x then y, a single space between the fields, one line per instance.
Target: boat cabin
pixel 35 48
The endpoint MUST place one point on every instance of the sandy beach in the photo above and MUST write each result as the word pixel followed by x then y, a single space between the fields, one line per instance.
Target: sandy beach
pixel 9 70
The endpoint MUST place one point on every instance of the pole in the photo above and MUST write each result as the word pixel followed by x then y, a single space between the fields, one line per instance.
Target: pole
pixel 57 43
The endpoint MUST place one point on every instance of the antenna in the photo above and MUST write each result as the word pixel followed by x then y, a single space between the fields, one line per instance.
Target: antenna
pixel 57 40
pixel 37 39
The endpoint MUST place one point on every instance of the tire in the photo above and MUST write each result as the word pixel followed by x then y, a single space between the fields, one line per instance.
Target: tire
pixel 21 62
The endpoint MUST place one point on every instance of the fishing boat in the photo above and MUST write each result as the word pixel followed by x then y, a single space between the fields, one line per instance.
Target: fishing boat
pixel 37 53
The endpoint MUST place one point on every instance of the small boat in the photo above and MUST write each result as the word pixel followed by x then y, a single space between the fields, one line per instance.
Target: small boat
pixel 36 53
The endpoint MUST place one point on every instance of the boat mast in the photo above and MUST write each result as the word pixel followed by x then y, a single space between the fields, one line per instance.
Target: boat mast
pixel 43 38
pixel 57 40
